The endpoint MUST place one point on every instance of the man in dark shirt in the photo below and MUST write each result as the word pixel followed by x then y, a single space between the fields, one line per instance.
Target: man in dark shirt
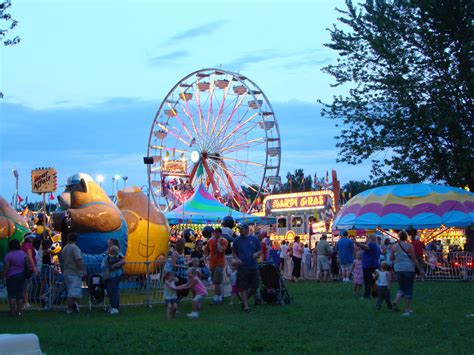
pixel 246 249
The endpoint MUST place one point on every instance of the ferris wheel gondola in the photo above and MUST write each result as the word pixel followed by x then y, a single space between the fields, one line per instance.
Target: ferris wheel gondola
pixel 218 128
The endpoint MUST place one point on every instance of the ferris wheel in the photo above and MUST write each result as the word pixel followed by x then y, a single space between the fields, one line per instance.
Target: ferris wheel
pixel 216 128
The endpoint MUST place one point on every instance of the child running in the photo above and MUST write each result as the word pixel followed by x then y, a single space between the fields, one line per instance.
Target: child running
pixel 169 294
pixel 357 274
pixel 198 289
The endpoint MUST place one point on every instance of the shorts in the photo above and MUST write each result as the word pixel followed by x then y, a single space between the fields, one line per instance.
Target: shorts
pixel 323 262
pixel 217 275
pixel 405 283
pixel 15 286
pixel 247 279
pixel 171 301
pixel 73 286
pixel 199 298
pixel 346 267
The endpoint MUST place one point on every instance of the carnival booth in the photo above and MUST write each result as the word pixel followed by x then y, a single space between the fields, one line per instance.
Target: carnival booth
pixel 203 209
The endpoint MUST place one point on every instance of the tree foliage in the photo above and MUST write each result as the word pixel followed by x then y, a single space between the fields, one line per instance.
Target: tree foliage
pixel 6 25
pixel 409 108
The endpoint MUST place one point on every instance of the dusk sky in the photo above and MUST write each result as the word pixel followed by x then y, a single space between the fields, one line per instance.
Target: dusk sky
pixel 83 85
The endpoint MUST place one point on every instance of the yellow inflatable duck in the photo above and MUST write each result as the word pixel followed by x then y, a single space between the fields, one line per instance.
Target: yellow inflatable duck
pixel 133 203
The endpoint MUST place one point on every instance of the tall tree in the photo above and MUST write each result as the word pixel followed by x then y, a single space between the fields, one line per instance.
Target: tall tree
pixel 409 109
pixel 6 25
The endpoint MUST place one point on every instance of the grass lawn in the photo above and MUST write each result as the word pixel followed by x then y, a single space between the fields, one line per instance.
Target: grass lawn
pixel 323 318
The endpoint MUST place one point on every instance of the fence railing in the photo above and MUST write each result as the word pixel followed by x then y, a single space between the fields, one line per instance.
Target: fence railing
pixel 455 266
pixel 139 287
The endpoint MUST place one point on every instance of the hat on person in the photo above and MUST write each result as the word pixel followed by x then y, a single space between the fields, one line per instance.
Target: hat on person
pixel 242 226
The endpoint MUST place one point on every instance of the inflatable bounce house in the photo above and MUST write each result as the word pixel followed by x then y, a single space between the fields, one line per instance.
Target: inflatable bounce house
pixel 12 226
pixel 87 210
pixel 142 222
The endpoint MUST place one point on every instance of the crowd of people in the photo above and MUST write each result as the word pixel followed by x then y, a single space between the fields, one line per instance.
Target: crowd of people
pixel 370 267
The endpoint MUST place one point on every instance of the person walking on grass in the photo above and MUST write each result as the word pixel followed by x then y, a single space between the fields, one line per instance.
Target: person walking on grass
pixel 345 251
pixel 73 272
pixel 15 263
pixel 246 249
pixel 405 261
pixel 283 255
pixel 370 262
pixel 215 248
pixel 382 280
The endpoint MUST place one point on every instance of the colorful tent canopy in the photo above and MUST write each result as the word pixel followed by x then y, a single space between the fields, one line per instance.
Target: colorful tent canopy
pixel 408 205
pixel 203 208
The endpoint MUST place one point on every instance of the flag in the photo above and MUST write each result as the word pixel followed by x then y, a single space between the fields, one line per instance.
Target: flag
pixel 200 170
pixel 327 176
pixel 20 200
pixel 51 196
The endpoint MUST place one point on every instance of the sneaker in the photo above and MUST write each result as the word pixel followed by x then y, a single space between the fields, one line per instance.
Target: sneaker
pixel 193 315
pixel 215 302
pixel 68 311
pixel 113 311
pixel 26 306
pixel 406 314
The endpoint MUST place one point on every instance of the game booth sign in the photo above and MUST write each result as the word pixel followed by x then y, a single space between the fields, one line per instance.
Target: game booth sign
pixel 302 213
pixel 43 181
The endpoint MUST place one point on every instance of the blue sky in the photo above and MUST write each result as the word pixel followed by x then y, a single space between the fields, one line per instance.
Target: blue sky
pixel 82 87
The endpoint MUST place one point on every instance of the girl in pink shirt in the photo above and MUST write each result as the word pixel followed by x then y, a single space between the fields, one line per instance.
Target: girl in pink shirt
pixel 198 289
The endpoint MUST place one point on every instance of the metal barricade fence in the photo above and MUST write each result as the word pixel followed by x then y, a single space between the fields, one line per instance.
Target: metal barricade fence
pixel 47 289
pixel 443 266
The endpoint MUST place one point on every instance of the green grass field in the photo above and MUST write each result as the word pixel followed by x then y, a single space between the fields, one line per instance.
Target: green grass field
pixel 323 318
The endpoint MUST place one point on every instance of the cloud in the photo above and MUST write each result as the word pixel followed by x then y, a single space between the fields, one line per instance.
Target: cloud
pixel 170 57
pixel 197 31
pixel 288 60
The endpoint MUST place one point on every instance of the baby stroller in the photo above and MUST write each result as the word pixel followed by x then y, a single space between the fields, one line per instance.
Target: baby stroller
pixel 96 289
pixel 273 289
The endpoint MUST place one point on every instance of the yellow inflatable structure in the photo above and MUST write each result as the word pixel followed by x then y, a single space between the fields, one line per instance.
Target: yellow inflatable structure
pixel 134 206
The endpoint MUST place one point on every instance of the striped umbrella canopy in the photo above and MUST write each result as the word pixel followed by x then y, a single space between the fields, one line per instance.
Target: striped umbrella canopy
pixel 203 208
pixel 404 206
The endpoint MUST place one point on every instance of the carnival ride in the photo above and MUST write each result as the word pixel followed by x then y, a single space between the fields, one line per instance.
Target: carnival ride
pixel 218 128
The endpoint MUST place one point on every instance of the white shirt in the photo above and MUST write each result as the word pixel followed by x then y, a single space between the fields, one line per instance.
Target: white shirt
pixel 382 279
pixel 283 251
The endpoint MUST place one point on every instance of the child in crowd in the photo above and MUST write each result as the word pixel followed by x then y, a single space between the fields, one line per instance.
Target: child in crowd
pixel 357 274
pixel 198 289
pixel 169 294
pixel 382 278
pixel 233 281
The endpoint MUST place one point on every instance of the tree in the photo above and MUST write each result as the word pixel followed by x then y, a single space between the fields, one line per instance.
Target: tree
pixel 409 109
pixel 7 26
pixel 353 188
pixel 296 182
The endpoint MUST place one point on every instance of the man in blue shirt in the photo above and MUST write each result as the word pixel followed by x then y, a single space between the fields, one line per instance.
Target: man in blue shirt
pixel 370 262
pixel 345 250
pixel 246 249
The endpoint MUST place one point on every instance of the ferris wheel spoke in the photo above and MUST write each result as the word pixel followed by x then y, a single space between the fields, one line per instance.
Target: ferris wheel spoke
pixel 219 112
pixel 238 160
pixel 181 122
pixel 187 112
pixel 238 127
pixel 248 144
pixel 198 100
pixel 239 136
pixel 163 127
pixel 230 115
